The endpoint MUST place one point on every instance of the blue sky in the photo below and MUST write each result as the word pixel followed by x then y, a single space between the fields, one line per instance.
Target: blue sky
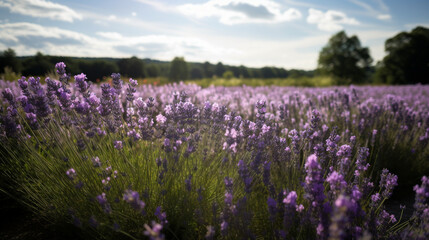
pixel 255 33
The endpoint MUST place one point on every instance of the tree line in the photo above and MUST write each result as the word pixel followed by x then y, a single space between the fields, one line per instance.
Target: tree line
pixel 344 59
pixel 97 69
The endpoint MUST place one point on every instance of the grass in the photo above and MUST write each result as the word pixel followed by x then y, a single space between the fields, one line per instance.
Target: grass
pixel 318 81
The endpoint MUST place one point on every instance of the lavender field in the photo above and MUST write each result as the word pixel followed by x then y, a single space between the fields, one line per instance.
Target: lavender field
pixel 129 161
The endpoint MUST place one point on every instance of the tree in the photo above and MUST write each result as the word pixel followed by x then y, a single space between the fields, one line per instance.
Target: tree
pixel 208 70
pixel 235 70
pixel 8 59
pixel 244 72
pixel 228 74
pixel 38 65
pixel 345 59
pixel 407 59
pixel 268 72
pixel 132 67
pixel 152 70
pixel 95 70
pixel 178 69
pixel 220 69
pixel 196 73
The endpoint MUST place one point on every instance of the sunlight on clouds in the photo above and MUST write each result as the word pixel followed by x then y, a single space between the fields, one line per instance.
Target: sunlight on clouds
pixel 232 12
pixel 41 8
pixel 110 35
pixel 112 17
pixel 330 20
pixel 384 17
pixel 14 31
pixel 56 41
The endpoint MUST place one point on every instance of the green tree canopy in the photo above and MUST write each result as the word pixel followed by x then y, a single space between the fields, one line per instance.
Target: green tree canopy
pixel 132 67
pixel 244 72
pixel 178 69
pixel 38 65
pixel 228 74
pixel 196 73
pixel 220 69
pixel 95 70
pixel 8 59
pixel 407 59
pixel 153 70
pixel 345 59
pixel 208 70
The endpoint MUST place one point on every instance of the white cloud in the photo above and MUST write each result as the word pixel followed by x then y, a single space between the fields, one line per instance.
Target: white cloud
pixel 133 14
pixel 56 41
pixel 381 14
pixel 158 5
pixel 232 12
pixel 13 31
pixel 41 9
pixel 110 35
pixel 384 17
pixel 330 20
pixel 112 17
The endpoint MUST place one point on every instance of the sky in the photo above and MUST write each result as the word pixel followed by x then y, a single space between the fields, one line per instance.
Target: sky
pixel 254 33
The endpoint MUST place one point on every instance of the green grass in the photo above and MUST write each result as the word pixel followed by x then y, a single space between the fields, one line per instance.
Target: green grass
pixel 318 81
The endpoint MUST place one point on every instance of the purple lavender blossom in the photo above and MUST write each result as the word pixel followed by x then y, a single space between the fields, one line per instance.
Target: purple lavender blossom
pixel 71 174
pixel 102 200
pixel 162 216
pixel 133 198
pixel 336 182
pixel 118 145
pixel 81 83
pixel 388 181
pixel 154 232
pixel 272 208
pixel 117 82
pixel 61 68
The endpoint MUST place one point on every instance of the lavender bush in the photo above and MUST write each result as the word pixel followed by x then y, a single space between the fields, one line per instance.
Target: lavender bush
pixel 180 161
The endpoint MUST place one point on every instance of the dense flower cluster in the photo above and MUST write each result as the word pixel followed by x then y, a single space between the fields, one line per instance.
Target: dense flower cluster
pixel 180 161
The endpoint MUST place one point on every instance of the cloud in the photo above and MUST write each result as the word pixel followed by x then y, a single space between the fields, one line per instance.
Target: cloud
pixel 13 32
pixel 110 35
pixel 28 38
pixel 112 17
pixel 330 20
pixel 41 9
pixel 133 14
pixel 382 5
pixel 381 15
pixel 384 17
pixel 232 12
pixel 162 7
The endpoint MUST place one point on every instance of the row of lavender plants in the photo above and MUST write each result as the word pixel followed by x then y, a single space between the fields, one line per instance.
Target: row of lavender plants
pixel 183 162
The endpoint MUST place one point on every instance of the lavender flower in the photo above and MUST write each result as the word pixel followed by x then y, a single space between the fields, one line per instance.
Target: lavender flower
pixel 61 68
pixel 133 198
pixel 154 232
pixel 81 83
pixel 118 145
pixel 117 82
pixel 71 173
pixel 272 208
pixel 102 200
pixel 388 181
pixel 162 216
pixel 336 182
